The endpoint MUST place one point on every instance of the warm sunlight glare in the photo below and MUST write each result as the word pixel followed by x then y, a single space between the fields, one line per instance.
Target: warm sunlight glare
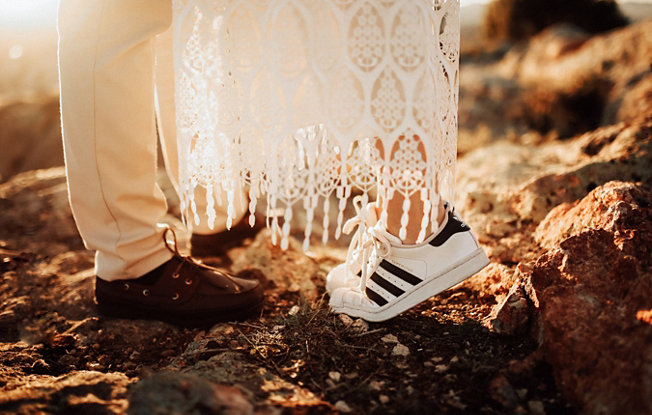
pixel 15 52
pixel 26 12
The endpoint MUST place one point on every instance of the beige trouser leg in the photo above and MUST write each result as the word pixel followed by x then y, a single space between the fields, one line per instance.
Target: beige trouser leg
pixel 107 51
pixel 106 60
pixel 164 76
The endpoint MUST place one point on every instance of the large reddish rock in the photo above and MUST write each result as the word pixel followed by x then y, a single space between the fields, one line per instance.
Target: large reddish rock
pixel 617 152
pixel 594 296
pixel 610 207
pixel 505 190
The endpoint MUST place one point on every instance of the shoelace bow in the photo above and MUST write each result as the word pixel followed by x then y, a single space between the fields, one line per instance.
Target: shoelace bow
pixel 368 241
pixel 186 259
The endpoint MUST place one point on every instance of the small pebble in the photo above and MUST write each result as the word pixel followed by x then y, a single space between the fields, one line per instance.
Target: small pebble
pixel 400 350
pixel 346 320
pixel 294 310
pixel 376 385
pixel 389 338
pixel 335 376
pixel 360 325
pixel 383 399
pixel 342 407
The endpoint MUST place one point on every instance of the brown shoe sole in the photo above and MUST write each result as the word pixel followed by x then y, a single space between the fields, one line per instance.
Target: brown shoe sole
pixel 187 320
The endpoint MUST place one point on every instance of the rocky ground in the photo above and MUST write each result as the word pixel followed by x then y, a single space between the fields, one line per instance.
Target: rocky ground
pixel 560 322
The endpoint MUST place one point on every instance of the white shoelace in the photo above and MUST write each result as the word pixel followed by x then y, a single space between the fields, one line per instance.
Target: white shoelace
pixel 368 246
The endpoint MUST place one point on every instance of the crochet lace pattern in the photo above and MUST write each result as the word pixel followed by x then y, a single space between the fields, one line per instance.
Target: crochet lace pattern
pixel 298 100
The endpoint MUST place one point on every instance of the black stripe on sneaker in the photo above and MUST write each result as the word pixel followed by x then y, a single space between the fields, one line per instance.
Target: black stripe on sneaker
pixel 386 285
pixel 453 226
pixel 401 273
pixel 375 297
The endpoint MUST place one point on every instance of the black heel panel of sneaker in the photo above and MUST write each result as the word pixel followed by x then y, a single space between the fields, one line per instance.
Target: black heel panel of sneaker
pixel 453 226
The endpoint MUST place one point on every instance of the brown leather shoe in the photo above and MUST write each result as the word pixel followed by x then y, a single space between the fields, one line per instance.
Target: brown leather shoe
pixel 182 292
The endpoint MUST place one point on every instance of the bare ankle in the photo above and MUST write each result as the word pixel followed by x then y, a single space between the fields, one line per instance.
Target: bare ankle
pixel 415 213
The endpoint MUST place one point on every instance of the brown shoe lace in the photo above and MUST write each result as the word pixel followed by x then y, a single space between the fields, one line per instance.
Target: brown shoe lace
pixel 186 259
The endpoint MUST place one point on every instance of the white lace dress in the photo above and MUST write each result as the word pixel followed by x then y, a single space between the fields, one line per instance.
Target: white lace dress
pixel 299 100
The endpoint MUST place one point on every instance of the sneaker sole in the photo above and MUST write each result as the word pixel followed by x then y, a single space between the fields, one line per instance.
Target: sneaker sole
pixel 432 286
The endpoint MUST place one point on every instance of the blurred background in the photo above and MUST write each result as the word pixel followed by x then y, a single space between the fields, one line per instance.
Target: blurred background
pixel 29 126
pixel 553 176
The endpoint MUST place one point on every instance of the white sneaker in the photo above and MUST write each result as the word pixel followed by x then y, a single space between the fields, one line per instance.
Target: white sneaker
pixel 347 274
pixel 397 277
